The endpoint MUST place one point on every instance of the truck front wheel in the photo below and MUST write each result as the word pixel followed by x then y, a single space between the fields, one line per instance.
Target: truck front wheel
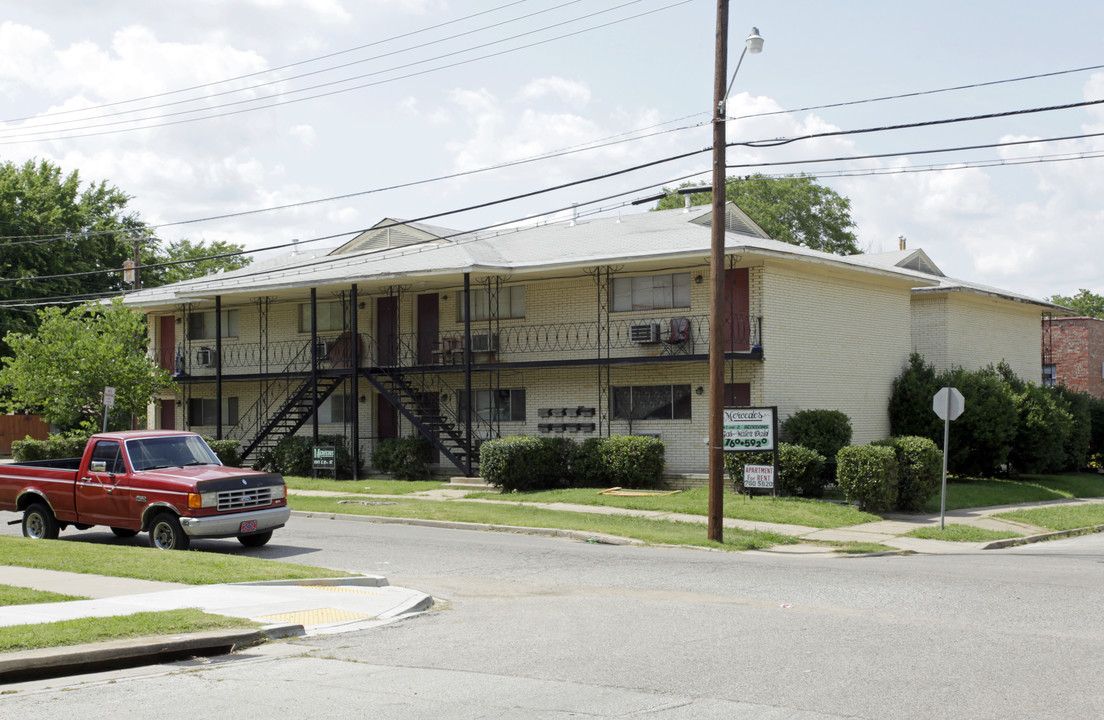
pixel 165 533
pixel 39 523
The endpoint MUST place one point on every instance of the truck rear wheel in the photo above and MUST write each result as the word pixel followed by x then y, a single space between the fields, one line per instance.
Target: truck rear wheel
pixel 165 533
pixel 256 539
pixel 39 523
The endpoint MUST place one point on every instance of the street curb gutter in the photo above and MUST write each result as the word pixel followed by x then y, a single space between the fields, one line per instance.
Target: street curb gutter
pixel 76 659
pixel 1012 542
pixel 581 535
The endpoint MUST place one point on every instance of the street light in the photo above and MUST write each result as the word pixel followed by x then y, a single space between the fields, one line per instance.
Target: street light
pixel 753 44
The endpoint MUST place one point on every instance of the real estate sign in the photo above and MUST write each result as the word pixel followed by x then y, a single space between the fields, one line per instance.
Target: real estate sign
pixel 759 476
pixel 749 429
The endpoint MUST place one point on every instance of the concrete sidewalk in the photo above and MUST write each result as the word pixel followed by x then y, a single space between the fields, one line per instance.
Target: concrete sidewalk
pixel 285 609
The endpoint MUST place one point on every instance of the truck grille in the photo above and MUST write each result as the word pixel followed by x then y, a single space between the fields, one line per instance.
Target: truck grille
pixel 244 498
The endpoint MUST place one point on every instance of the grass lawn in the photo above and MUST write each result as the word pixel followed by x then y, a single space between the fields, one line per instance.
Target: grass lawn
pixel 954 532
pixel 12 595
pixel 1060 517
pixel 660 532
pixel 90 630
pixel 374 486
pixel 695 501
pixel 987 492
pixel 192 568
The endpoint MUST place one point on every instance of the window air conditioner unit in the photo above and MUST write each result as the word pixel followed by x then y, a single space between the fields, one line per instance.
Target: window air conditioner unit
pixel 485 342
pixel 205 357
pixel 644 333
pixel 323 347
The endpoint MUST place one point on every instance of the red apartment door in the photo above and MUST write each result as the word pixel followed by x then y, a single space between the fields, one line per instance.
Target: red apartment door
pixel 168 415
pixel 167 357
pixel 428 327
pixel 737 310
pixel 387 330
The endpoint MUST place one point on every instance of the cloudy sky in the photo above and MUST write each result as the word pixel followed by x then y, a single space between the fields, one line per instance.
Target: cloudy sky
pixel 260 121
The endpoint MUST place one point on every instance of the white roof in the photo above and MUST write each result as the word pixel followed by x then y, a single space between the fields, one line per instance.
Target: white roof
pixel 637 238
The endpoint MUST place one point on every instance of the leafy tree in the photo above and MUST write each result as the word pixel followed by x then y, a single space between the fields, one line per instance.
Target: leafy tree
pixel 50 226
pixel 910 404
pixel 1084 303
pixel 1044 428
pixel 203 254
pixel 61 372
pixel 794 209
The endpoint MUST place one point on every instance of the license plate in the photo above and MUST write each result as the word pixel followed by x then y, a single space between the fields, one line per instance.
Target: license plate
pixel 248 526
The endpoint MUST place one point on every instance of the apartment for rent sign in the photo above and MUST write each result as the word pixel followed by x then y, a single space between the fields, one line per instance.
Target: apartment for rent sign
pixel 749 429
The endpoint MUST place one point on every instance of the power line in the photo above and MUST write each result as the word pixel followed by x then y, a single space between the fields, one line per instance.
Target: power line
pixel 258 73
pixel 25 137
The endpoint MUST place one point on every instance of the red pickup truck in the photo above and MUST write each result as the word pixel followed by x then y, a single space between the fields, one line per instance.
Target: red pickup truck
pixel 168 483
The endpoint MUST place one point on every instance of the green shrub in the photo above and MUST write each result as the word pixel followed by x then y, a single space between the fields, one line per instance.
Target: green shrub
pixel 522 464
pixel 586 466
pixel 228 451
pixel 982 437
pixel 631 461
pixel 919 470
pixel 405 458
pixel 799 469
pixel 867 474
pixel 1043 428
pixel 823 431
pixel 1079 406
pixel 54 447
pixel 292 456
pixel 910 403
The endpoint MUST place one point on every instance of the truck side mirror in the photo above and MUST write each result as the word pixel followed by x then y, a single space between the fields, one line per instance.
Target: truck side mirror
pixel 98 466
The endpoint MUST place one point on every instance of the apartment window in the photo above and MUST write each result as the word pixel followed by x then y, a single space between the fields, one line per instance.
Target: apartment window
pixel 651 402
pixel 511 303
pixel 651 292
pixel 1050 375
pixel 331 316
pixel 201 325
pixel 201 411
pixel 501 405
pixel 336 409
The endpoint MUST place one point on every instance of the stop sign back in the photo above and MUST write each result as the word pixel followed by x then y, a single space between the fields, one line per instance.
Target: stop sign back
pixel 948 403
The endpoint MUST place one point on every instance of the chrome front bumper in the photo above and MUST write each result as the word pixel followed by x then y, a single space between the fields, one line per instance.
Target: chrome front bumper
pixel 220 526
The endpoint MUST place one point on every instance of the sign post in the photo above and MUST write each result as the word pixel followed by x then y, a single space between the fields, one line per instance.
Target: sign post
pixel 948 404
pixel 108 402
pixel 753 429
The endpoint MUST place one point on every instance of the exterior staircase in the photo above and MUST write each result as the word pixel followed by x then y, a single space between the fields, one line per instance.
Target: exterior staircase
pixel 291 416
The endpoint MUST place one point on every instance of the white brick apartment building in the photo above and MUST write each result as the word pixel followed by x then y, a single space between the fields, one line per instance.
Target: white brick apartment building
pixel 562 328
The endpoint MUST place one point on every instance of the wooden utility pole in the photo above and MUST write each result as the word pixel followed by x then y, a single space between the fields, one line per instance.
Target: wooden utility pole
pixel 716 279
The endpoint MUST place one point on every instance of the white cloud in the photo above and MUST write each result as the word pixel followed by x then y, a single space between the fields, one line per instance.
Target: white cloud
pixel 575 93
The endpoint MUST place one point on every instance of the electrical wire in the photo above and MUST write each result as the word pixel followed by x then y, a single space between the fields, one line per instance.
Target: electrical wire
pixel 26 137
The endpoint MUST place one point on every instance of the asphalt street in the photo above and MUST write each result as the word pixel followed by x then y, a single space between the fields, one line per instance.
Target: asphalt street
pixel 530 626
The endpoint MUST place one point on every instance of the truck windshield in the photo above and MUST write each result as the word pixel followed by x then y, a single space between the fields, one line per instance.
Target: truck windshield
pixel 174 451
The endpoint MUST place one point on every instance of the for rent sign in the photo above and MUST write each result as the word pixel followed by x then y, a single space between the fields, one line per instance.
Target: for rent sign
pixel 748 429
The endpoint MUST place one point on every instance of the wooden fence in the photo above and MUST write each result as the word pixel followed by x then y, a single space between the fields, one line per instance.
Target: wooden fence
pixel 18 427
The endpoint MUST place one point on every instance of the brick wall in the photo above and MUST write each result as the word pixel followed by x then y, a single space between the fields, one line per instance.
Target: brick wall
pixel 1077 352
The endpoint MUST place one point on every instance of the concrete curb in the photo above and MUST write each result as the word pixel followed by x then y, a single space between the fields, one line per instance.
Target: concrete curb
pixel 1028 539
pixel 43 663
pixel 581 535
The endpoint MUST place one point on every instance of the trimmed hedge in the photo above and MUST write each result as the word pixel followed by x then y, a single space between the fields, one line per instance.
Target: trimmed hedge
pixel 405 458
pixel 867 474
pixel 527 463
pixel 228 451
pixel 799 469
pixel 919 470
pixel 521 464
pixel 54 447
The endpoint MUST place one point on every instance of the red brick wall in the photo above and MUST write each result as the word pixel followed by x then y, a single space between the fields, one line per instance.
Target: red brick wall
pixel 1077 351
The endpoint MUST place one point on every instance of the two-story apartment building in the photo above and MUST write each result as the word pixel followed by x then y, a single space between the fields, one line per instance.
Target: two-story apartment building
pixel 583 328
